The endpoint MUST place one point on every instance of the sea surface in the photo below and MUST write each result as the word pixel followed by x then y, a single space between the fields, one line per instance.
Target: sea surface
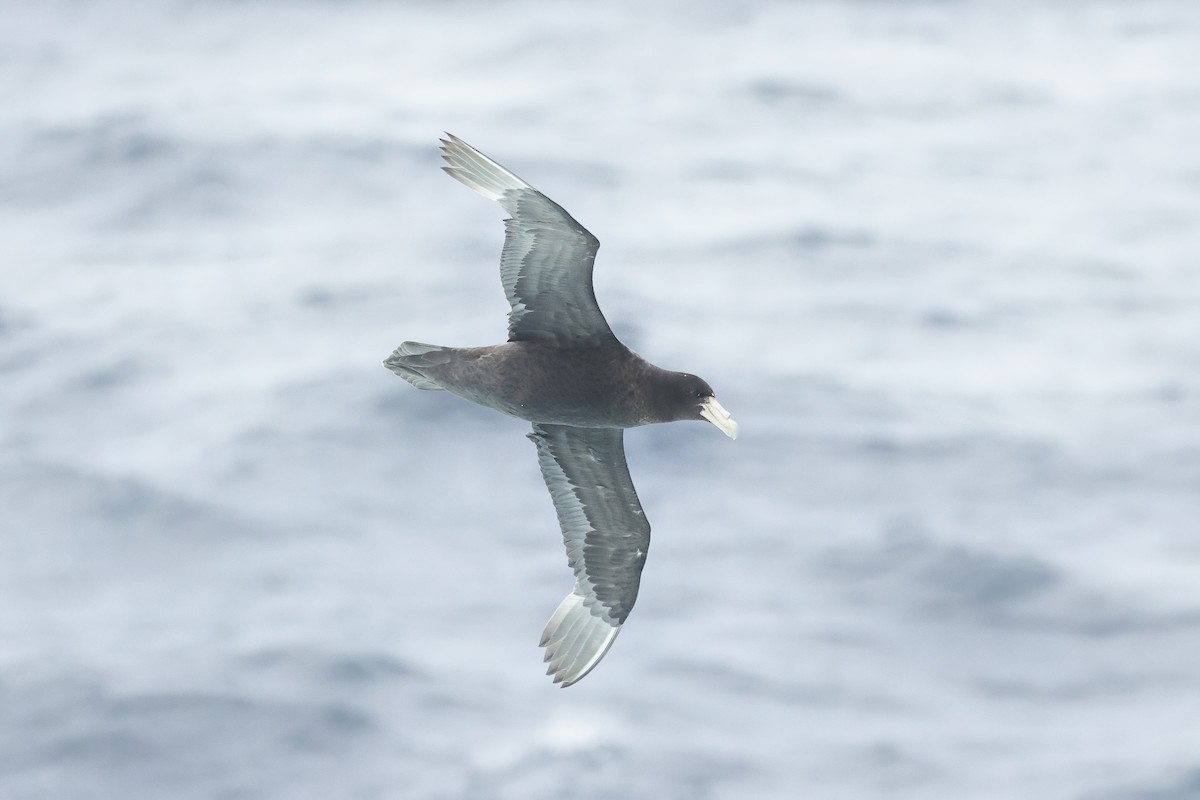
pixel 940 258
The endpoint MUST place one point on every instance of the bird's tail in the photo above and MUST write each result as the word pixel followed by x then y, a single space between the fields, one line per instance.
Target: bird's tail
pixel 575 640
pixel 411 359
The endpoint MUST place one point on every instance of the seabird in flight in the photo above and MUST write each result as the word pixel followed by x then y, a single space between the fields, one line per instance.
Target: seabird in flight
pixel 564 370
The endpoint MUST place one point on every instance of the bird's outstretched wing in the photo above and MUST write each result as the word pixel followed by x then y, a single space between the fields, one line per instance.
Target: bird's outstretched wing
pixel 546 265
pixel 606 534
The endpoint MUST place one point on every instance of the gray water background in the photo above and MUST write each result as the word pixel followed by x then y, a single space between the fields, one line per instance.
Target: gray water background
pixel 940 259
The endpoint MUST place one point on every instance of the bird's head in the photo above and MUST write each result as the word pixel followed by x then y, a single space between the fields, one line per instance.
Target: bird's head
pixel 694 399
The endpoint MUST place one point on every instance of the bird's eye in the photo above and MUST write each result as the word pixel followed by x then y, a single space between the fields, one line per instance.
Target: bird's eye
pixel 697 393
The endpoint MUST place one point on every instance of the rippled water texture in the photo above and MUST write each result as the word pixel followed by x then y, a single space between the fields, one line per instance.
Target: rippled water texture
pixel 940 260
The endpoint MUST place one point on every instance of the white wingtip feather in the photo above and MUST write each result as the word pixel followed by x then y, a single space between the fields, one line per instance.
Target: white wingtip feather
pixel 476 171
pixel 575 640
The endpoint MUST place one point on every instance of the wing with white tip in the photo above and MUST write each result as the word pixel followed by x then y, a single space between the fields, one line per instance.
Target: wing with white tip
pixel 606 535
pixel 546 264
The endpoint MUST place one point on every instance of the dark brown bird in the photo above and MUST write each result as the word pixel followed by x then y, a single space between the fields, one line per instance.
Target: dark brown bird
pixel 564 370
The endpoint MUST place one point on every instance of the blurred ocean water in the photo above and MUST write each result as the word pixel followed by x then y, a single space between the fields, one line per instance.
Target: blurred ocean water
pixel 940 259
